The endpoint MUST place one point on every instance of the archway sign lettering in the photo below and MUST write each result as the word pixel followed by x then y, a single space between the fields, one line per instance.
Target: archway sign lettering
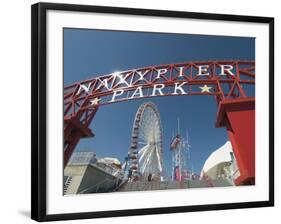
pixel 228 81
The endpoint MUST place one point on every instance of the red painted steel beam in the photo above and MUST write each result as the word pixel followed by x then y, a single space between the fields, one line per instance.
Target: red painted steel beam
pixel 238 117
pixel 70 146
pixel 75 129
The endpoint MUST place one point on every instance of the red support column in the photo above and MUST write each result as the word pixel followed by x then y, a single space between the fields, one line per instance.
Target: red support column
pixel 70 148
pixel 238 116
pixel 74 130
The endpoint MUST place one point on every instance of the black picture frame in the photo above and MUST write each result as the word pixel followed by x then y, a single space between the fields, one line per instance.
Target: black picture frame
pixel 38 108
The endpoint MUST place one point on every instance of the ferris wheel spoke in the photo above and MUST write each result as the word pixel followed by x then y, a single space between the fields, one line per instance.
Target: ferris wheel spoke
pixel 142 152
pixel 159 159
pixel 147 159
pixel 144 155
pixel 143 143
pixel 143 137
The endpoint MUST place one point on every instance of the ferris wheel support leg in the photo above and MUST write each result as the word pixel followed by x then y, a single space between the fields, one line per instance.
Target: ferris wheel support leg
pixel 238 117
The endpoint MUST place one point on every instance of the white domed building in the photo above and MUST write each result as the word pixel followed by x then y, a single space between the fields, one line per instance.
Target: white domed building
pixel 221 165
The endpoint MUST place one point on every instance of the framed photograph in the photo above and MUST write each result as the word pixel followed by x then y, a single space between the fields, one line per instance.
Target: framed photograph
pixel 139 111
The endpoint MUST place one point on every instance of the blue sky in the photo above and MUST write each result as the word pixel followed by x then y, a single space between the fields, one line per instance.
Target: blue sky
pixel 90 53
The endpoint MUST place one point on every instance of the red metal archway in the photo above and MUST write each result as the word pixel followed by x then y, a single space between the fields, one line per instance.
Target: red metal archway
pixel 226 80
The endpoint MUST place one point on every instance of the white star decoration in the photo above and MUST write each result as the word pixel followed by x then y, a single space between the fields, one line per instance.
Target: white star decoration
pixel 205 89
pixel 95 101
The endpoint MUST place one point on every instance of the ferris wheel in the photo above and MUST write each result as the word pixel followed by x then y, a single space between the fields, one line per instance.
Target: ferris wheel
pixel 146 152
